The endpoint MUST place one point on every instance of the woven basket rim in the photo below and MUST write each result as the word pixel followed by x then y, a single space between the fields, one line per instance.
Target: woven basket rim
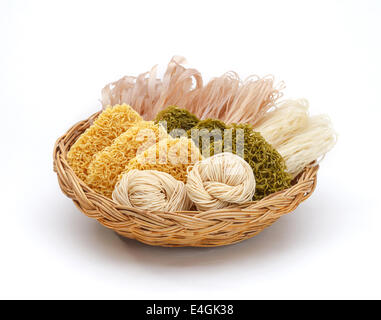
pixel 181 228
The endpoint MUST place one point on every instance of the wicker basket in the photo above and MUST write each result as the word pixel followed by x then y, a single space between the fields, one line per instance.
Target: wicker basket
pixel 192 228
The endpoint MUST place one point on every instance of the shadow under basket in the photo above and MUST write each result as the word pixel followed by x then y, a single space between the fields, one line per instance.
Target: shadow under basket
pixel 177 229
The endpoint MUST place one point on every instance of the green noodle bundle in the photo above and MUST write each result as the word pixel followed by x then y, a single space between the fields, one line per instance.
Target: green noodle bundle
pixel 207 130
pixel 268 165
pixel 175 118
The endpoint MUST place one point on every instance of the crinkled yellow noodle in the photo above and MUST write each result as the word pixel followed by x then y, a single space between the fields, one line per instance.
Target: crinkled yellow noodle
pixel 107 164
pixel 172 156
pixel 110 124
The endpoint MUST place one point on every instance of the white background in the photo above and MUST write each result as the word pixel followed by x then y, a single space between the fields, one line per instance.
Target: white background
pixel 55 56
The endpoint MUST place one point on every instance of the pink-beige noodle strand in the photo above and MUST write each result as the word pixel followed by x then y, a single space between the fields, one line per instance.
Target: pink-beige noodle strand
pixel 226 97
pixel 149 94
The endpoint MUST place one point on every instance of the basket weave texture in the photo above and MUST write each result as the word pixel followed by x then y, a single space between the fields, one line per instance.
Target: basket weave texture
pixel 191 228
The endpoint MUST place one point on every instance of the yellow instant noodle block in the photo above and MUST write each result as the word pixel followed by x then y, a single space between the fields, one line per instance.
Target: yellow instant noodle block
pixel 111 123
pixel 172 156
pixel 107 164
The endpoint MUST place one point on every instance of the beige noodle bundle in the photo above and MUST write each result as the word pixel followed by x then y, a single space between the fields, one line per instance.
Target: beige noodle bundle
pixel 313 142
pixel 284 122
pixel 110 124
pixel 107 164
pixel 227 97
pixel 220 181
pixel 151 190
